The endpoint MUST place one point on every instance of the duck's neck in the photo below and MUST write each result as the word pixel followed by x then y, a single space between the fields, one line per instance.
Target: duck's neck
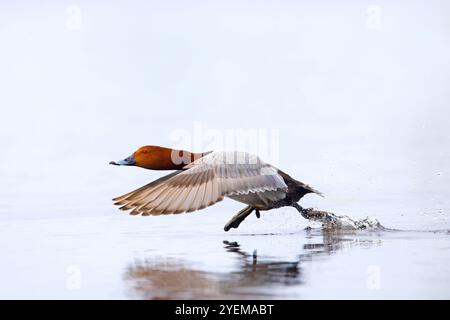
pixel 161 158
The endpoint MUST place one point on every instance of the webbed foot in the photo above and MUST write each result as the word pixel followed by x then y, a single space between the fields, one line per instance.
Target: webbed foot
pixel 236 220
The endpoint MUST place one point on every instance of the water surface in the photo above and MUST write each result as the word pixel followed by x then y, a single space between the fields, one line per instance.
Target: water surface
pixel 154 258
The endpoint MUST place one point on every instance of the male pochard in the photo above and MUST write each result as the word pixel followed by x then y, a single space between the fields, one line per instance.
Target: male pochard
pixel 202 179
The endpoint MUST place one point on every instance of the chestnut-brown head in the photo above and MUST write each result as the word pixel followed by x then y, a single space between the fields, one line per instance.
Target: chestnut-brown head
pixel 158 158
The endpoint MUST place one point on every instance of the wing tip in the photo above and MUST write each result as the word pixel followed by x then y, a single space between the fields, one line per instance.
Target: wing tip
pixel 119 198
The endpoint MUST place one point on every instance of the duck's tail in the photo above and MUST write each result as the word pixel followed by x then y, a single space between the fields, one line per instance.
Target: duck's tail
pixel 298 187
pixel 311 189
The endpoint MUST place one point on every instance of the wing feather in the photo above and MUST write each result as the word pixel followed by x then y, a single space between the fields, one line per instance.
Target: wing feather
pixel 202 183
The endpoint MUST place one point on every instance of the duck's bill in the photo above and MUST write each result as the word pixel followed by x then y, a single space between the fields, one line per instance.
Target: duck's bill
pixel 125 162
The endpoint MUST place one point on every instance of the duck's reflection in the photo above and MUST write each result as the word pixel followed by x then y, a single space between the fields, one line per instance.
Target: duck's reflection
pixel 254 273
pixel 254 276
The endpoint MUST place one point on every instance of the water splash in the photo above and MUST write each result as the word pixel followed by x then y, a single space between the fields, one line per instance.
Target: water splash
pixel 331 221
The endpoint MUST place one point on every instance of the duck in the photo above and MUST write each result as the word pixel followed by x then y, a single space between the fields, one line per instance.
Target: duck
pixel 200 180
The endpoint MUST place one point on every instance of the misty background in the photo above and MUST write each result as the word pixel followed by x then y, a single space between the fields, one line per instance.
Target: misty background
pixel 358 92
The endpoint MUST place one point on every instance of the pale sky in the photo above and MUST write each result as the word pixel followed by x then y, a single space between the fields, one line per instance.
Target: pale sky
pixel 356 90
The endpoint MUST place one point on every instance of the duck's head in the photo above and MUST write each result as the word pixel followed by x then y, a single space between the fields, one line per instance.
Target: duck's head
pixel 156 158
pixel 142 157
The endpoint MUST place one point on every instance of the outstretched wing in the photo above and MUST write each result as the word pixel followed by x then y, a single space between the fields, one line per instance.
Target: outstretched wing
pixel 203 183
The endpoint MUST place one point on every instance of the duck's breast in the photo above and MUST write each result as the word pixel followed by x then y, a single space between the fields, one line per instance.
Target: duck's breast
pixel 261 200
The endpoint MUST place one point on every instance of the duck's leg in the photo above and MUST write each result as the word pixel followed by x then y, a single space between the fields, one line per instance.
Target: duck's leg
pixel 236 220
pixel 311 214
pixel 300 209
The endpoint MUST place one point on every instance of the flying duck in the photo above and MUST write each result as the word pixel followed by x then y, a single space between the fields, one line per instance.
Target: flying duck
pixel 202 179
